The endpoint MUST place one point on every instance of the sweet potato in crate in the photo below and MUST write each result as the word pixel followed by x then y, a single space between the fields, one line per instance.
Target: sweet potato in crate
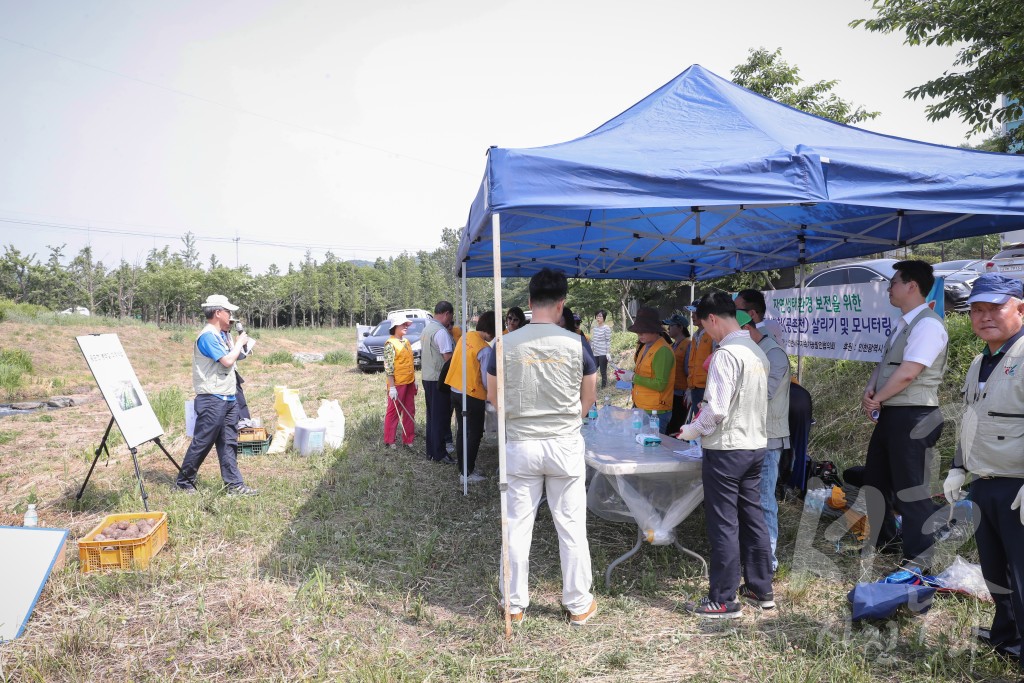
pixel 246 434
pixel 127 553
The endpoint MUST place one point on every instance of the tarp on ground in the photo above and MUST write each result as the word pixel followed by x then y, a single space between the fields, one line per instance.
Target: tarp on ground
pixel 704 178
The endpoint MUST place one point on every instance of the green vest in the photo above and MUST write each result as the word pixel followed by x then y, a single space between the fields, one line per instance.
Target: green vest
pixel 431 359
pixel 924 390
pixel 778 405
pixel 992 433
pixel 543 374
pixel 208 375
pixel 745 423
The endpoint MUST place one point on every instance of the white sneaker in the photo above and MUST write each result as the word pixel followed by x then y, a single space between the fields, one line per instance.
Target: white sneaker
pixel 474 478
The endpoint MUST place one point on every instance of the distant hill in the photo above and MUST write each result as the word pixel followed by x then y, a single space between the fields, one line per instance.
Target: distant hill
pixel 359 262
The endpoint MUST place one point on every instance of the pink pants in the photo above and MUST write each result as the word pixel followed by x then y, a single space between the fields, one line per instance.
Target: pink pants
pixel 407 399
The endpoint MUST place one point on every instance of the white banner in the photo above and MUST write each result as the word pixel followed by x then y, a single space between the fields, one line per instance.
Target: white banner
pixel 849 322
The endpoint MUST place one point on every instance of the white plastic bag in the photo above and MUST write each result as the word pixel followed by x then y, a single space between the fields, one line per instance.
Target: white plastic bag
pixel 965 577
pixel 333 418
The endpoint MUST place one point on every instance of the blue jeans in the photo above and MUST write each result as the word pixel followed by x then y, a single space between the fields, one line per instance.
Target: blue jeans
pixel 770 506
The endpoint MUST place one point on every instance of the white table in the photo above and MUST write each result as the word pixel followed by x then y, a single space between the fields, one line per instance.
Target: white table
pixel 651 486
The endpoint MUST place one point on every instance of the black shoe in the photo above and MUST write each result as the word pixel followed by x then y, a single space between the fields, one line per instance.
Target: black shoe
pixel 715 610
pixel 187 488
pixel 766 601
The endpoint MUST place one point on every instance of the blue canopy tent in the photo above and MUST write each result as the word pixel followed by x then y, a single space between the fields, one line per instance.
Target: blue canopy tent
pixel 704 178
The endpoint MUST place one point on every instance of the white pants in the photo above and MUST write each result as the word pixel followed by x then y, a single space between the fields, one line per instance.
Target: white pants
pixel 556 465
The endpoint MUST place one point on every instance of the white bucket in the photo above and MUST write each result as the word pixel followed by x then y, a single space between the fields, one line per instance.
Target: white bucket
pixel 309 436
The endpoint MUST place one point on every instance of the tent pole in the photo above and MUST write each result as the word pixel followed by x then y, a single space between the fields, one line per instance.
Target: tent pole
pixel 506 571
pixel 800 348
pixel 462 413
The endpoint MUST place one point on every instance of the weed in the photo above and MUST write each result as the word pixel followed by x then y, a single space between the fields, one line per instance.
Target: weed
pixel 338 358
pixel 10 379
pixel 7 437
pixel 169 406
pixel 277 357
pixel 17 358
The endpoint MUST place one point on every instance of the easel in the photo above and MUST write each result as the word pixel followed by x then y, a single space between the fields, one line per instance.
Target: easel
pixel 135 460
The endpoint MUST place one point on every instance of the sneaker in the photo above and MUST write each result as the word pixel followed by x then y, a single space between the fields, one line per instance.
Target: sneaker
pixel 187 488
pixel 390 446
pixel 517 617
pixel 473 478
pixel 242 490
pixel 578 620
pixel 450 447
pixel 715 610
pixel 446 460
pixel 766 601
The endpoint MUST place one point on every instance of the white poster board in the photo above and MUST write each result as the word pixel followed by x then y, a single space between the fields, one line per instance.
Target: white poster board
pixel 120 388
pixel 30 555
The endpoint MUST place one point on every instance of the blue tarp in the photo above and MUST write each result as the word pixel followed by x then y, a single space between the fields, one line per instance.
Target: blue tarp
pixel 704 178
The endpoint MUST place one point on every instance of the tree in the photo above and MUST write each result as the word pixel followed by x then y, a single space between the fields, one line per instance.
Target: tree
pixel 768 74
pixel 987 66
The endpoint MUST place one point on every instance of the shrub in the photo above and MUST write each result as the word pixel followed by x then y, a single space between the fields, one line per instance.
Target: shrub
pixel 10 378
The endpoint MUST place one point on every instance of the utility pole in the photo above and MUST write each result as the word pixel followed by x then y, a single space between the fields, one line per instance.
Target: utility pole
pixel 237 240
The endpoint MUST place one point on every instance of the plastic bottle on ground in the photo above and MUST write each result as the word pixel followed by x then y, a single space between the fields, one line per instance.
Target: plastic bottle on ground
pixel 31 516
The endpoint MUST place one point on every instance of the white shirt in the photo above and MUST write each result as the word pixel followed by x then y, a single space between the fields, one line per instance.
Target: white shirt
pixel 443 341
pixel 926 341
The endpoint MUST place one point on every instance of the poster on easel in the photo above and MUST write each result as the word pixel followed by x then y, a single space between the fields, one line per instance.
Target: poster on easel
pixel 120 388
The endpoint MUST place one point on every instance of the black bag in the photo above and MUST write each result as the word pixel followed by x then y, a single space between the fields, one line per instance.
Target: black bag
pixel 825 470
pixel 442 386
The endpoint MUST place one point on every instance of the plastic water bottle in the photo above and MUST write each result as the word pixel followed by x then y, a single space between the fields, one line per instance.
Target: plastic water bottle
pixel 638 421
pixel 592 415
pixel 31 516
pixel 653 425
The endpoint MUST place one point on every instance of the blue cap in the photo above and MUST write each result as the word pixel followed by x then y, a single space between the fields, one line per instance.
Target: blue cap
pixel 677 319
pixel 993 288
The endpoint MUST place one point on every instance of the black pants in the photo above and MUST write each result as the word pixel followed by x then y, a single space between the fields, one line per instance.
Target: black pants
pixel 216 425
pixel 800 420
pixel 602 364
pixel 243 405
pixel 735 523
pixel 1000 539
pixel 474 430
pixel 678 415
pixel 898 463
pixel 438 414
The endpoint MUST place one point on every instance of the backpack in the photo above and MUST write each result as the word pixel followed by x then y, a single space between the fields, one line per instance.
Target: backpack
pixel 825 470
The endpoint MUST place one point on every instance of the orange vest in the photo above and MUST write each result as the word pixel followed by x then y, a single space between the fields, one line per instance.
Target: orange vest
pixel 474 379
pixel 456 332
pixel 680 351
pixel 650 399
pixel 698 378
pixel 405 369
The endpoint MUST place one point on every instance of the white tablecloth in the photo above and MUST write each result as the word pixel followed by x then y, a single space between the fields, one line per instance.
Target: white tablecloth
pixel 653 486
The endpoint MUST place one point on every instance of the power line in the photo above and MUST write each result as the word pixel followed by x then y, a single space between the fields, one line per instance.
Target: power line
pixel 247 112
pixel 251 242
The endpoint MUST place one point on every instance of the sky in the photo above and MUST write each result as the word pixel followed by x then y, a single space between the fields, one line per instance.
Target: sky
pixel 268 128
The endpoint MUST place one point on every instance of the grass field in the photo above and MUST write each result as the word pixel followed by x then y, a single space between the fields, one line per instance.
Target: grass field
pixel 369 565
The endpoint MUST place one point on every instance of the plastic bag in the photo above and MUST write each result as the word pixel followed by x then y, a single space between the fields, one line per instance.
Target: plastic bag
pixel 964 577
pixel 332 417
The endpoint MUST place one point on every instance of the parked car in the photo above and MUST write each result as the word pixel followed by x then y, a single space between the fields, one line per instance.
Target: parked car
pixel 972 265
pixel 410 313
pixel 957 287
pixel 1009 262
pixel 370 347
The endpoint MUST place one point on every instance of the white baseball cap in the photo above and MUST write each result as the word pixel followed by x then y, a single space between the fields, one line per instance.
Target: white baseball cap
pixel 219 301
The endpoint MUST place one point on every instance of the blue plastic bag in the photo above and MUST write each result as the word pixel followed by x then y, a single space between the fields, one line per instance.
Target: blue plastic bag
pixel 881 600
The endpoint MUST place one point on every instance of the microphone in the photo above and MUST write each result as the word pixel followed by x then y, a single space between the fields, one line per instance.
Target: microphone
pixel 239 327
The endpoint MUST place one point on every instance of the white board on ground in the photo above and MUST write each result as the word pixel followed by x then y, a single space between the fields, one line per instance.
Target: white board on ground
pixel 120 388
pixel 29 556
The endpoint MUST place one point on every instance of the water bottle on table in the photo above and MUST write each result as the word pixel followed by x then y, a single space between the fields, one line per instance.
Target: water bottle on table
pixel 653 425
pixel 638 421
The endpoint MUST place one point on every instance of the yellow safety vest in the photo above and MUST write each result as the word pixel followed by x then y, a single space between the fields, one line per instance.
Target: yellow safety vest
pixel 650 399
pixel 474 379
pixel 680 350
pixel 405 369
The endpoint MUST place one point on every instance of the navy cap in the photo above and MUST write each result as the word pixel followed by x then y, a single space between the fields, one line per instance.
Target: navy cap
pixel 677 319
pixel 993 288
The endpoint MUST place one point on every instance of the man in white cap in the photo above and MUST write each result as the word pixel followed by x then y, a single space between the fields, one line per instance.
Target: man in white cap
pixel 213 378
pixel 989 447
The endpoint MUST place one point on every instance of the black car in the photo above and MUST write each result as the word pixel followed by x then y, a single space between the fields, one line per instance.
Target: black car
pixel 370 348
pixel 957 287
